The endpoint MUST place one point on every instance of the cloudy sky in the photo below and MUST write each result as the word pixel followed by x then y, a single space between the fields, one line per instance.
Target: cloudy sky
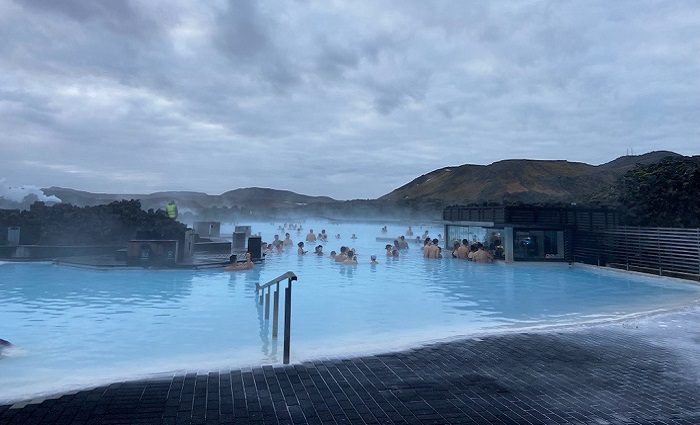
pixel 347 99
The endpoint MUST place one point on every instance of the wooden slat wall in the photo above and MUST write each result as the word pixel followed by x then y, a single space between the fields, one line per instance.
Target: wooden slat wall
pixel 666 251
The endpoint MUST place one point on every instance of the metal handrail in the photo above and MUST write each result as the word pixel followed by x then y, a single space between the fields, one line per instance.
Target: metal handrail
pixel 275 312
pixel 278 279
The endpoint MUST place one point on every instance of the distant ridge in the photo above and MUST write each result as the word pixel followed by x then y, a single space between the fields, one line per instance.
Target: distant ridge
pixel 511 180
pixel 251 196
pixel 520 180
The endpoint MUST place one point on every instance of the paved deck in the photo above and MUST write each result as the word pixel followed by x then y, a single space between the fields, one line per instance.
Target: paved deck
pixel 636 372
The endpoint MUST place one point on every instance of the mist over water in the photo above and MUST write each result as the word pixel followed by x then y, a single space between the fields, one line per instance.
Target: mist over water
pixel 74 328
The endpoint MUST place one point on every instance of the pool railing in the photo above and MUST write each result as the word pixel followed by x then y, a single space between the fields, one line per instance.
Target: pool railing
pixel 260 290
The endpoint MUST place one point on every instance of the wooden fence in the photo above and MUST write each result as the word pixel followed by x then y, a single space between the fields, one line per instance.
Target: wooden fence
pixel 658 250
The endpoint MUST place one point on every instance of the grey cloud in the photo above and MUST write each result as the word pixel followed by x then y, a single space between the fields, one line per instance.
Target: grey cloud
pixel 114 96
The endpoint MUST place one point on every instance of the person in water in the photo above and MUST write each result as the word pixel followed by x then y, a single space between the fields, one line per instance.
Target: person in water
pixel 319 250
pixel 287 240
pixel 463 250
pixel 333 254
pixel 343 254
pixel 373 259
pixel 277 242
pixel 409 232
pixel 389 249
pixel 310 237
pixel 403 244
pixel 247 265
pixel 337 236
pixel 353 236
pixel 323 236
pixel 481 255
pixel 351 259
pixel 300 250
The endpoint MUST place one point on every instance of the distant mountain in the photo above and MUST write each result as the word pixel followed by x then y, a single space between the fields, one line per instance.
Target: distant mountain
pixel 514 180
pixel 520 180
pixel 251 197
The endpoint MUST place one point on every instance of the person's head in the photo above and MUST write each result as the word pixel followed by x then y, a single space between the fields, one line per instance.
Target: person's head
pixel 388 246
pixel 456 245
pixel 479 245
pixel 343 249
pixel 402 238
pixel 373 258
pixel 300 244
pixel 333 253
pixel 465 242
pixel 311 230
pixel 426 241
pixel 286 235
pixel 473 248
pixel 319 248
pixel 396 242
pixel 277 237
pixel 323 231
pixel 435 241
pixel 247 256
pixel 351 254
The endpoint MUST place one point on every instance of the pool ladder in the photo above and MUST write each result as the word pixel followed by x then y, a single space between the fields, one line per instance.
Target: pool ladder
pixel 260 290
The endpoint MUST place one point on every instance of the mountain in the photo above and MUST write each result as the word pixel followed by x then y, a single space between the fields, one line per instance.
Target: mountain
pixel 250 197
pixel 520 180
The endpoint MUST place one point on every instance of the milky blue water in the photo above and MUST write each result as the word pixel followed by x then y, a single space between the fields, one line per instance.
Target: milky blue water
pixel 74 327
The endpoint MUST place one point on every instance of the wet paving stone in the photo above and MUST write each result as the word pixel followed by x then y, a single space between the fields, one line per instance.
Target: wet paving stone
pixel 611 374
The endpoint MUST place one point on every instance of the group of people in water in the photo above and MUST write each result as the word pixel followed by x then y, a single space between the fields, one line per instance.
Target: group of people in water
pixel 348 256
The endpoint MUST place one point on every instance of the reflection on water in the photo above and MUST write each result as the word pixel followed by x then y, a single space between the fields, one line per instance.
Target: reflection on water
pixel 76 326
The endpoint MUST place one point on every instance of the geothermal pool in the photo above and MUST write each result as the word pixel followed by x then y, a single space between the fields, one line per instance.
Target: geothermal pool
pixel 74 328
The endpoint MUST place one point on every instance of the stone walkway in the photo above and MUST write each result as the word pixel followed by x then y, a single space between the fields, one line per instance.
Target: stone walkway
pixel 637 372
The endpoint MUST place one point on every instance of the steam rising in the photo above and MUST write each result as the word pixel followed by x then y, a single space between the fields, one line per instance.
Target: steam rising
pixel 23 193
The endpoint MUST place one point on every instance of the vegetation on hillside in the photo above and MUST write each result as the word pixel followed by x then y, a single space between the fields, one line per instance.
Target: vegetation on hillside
pixel 65 224
pixel 663 194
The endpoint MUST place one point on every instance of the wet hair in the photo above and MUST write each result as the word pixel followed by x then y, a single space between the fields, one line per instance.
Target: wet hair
pixel 343 249
pixel 402 237
pixel 388 246
pixel 373 257
pixel 300 244
pixel 435 241
pixel 426 241
pixel 465 241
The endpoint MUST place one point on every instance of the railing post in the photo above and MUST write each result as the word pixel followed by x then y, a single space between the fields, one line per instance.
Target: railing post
pixel 287 319
pixel 275 310
pixel 267 304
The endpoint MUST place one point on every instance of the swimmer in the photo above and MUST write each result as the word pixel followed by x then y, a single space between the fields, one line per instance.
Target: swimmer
pixel 288 240
pixel 353 236
pixel 435 249
pixel 277 242
pixel 409 232
pixel 384 230
pixel 351 259
pixel 323 235
pixel 247 265
pixel 310 237
pixel 462 252
pixel 343 254
pixel 337 236
pixel 300 250
pixel 333 254
pixel 319 250
pixel 373 259
pixel 395 253
pixel 481 255
pixel 389 249
pixel 403 244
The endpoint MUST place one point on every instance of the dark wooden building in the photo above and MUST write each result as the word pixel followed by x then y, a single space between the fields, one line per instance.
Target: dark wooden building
pixel 526 232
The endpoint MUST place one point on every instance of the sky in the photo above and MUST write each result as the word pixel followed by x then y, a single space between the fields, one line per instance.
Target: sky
pixel 340 98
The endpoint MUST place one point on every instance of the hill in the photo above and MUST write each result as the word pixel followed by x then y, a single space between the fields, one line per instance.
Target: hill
pixel 520 180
